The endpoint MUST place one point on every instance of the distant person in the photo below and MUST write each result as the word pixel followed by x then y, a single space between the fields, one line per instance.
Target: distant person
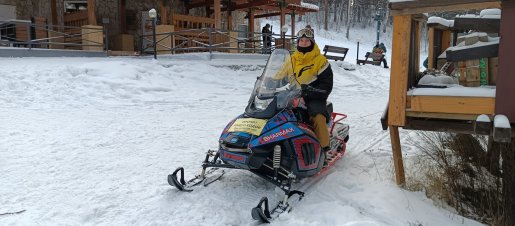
pixel 267 38
pixel 381 49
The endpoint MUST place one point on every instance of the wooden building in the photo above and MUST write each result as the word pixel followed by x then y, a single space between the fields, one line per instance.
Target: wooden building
pixel 440 110
pixel 124 20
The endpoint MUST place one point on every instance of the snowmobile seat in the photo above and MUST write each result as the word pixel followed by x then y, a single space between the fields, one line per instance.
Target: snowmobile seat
pixel 329 106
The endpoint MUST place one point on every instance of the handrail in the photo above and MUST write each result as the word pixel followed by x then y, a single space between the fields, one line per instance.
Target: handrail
pixel 210 39
pixel 18 33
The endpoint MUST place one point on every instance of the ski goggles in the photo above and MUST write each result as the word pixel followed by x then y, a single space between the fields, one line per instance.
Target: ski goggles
pixel 306 33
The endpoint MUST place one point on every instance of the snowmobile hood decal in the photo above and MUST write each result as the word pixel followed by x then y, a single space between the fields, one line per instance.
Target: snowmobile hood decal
pixel 248 125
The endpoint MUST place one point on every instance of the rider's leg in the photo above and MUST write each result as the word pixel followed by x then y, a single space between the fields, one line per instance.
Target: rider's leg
pixel 319 124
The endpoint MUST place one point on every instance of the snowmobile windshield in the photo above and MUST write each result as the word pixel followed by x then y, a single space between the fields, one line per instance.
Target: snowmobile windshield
pixel 275 88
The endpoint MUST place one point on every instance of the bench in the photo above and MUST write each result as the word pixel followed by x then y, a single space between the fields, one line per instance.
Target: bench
pixel 375 59
pixel 335 49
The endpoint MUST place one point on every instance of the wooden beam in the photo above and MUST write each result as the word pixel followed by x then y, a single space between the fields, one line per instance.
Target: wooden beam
pixel 484 51
pixel 92 18
pixel 253 4
pixel 440 125
pixel 397 155
pixel 229 17
pixel 453 7
pixel 505 90
pixel 431 52
pixel 267 15
pixel 399 70
pixel 218 14
pixel 477 24
pixel 457 105
pixel 433 115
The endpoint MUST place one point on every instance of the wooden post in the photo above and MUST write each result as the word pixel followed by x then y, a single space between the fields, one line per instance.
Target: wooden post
pixel 251 22
pixel 446 40
pixel 430 51
pixel 283 18
pixel 53 8
pixel 397 155
pixel 229 19
pixel 123 19
pixel 164 15
pixel 292 24
pixel 92 18
pixel 418 26
pixel 399 70
pixel 218 14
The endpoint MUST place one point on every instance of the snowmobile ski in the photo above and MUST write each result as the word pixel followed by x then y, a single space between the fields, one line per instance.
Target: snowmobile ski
pixel 209 177
pixel 205 177
pixel 264 215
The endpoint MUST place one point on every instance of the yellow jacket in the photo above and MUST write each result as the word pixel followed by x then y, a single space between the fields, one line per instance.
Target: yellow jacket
pixel 306 67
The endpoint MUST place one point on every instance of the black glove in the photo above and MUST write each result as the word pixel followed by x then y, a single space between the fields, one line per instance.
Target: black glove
pixel 304 90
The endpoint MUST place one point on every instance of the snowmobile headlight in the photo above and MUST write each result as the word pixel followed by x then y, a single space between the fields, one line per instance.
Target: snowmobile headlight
pixel 262 104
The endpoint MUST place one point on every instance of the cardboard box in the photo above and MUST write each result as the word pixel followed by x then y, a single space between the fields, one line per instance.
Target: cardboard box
pixel 123 42
pixel 472 74
pixel 470 84
pixel 472 63
pixel 92 38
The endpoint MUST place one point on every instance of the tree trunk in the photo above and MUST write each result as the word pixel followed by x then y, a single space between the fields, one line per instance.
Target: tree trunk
pixel 326 14
pixel 348 19
pixel 508 190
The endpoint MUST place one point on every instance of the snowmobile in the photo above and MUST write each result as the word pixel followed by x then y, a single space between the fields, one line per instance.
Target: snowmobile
pixel 272 139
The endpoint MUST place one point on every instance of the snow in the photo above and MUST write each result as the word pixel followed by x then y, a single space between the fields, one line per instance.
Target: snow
pixel 440 79
pixel 90 141
pixel 456 91
pixel 483 118
pixel 501 121
pixel 439 20
pixel 485 12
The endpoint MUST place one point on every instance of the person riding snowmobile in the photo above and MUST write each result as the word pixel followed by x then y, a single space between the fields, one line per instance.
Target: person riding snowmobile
pixel 314 75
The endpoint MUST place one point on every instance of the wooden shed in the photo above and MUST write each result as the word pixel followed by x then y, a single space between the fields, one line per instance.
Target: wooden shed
pixel 442 109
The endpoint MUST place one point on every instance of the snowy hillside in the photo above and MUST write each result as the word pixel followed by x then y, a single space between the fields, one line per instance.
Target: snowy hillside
pixel 91 141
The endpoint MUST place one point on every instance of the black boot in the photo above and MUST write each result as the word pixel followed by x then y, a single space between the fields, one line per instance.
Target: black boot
pixel 326 160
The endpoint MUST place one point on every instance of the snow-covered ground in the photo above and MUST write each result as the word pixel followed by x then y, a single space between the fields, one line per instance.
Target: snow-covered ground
pixel 90 141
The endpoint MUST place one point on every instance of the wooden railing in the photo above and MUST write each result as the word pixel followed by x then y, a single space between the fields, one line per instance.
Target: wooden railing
pixel 182 22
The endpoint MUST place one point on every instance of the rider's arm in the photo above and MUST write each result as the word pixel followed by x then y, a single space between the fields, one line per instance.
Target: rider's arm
pixel 322 87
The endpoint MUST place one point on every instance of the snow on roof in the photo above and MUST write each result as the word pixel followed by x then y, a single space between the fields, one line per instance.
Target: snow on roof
pixel 501 121
pixel 477 44
pixel 485 12
pixel 439 20
pixel 483 118
pixel 474 34
pixel 455 91
pixel 309 5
